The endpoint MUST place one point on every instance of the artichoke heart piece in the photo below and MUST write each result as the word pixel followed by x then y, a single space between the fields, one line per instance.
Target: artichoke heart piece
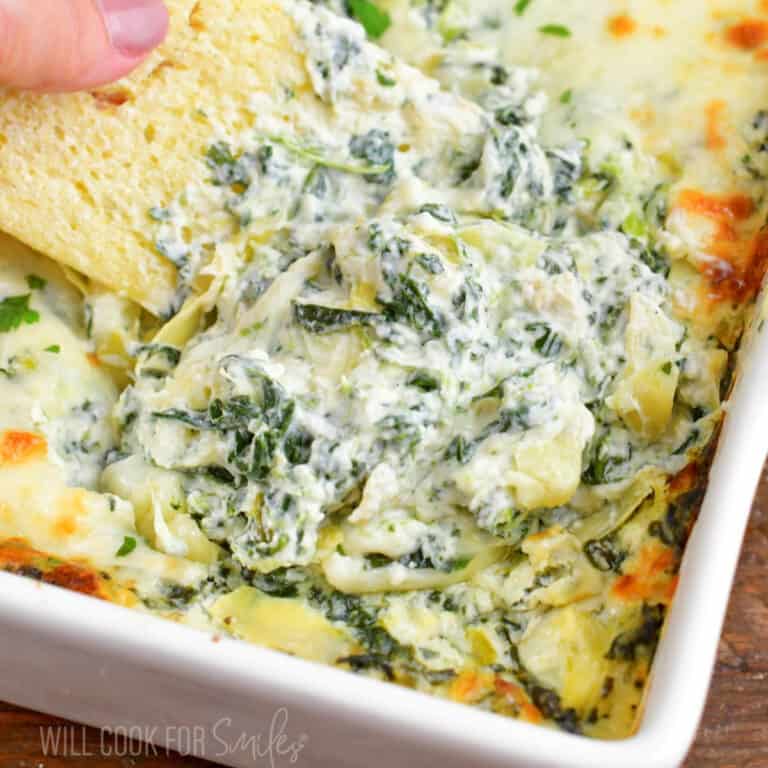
pixel 645 393
pixel 512 476
pixel 280 623
pixel 566 651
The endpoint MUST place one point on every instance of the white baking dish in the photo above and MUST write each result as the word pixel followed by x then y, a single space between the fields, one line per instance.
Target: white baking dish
pixel 242 705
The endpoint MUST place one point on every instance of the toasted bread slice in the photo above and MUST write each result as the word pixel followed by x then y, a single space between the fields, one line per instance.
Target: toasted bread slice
pixel 78 172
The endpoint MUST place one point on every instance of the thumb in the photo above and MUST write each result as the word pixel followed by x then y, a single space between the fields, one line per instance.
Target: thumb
pixel 67 45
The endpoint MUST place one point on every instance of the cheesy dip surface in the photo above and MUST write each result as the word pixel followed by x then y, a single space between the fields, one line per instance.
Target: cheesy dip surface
pixel 435 397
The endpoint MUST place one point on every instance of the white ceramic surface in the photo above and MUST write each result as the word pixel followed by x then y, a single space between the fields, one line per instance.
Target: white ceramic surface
pixel 242 705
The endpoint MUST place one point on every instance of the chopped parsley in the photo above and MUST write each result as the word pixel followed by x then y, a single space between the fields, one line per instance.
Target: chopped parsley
pixel 219 154
pixel 521 6
pixel 375 21
pixel 15 311
pixel 555 30
pixel 384 80
pixel 54 349
pixel 128 545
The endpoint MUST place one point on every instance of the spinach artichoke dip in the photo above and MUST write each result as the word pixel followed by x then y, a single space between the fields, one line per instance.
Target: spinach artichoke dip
pixel 436 393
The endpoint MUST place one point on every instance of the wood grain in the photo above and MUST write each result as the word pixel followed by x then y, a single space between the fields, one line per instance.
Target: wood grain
pixel 733 733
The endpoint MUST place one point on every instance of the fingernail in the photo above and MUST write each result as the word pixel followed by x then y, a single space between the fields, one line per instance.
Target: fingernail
pixel 135 27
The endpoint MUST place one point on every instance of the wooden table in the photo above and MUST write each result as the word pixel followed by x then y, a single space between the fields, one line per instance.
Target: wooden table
pixel 733 734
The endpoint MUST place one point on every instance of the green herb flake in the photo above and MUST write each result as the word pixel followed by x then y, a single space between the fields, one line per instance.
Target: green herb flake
pixel 459 449
pixel 521 6
pixel 666 368
pixel 128 545
pixel 555 30
pixel 424 381
pixel 384 80
pixel 566 96
pixel 14 311
pixel 547 342
pixel 375 21
pixel 54 349
pixel 36 283
pixel 459 563
pixel 634 226
pixel 220 153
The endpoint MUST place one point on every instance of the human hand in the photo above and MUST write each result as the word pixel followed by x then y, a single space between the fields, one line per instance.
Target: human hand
pixel 68 45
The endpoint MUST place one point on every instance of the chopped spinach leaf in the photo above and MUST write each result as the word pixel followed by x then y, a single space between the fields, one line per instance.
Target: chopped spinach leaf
pixel 377 560
pixel 409 305
pixel 674 527
pixel 282 582
pixel 551 706
pixel 510 420
pixel 228 170
pixel 689 441
pixel 656 260
pixel 424 381
pixel 511 115
pixel 366 661
pixel 495 393
pixel 430 262
pixel 607 461
pixel 257 426
pixel 220 153
pixel 547 342
pixel 157 360
pixel 377 149
pixel 318 319
pixel 36 283
pixel 605 554
pixel 643 638
pixel 297 446
pixel 459 449
pixel 439 212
